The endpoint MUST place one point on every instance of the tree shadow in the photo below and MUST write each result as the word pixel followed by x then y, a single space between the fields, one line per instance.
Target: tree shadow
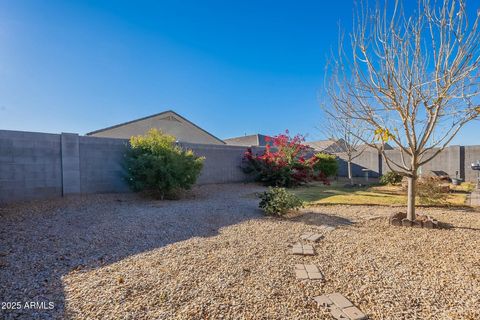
pixel 43 241
pixel 318 219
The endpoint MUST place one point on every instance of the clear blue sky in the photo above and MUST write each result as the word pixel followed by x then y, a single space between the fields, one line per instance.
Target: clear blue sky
pixel 232 67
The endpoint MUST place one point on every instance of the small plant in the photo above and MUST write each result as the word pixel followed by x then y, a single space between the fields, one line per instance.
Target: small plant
pixel 326 164
pixel 156 165
pixel 391 178
pixel 278 201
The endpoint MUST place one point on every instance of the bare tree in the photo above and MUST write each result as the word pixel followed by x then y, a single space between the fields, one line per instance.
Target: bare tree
pixel 349 134
pixel 413 79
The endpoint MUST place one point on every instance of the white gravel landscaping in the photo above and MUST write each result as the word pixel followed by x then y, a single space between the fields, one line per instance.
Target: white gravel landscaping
pixel 214 255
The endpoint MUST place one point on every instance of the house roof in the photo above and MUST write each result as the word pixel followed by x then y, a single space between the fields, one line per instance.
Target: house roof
pixel 152 116
pixel 248 140
pixel 326 145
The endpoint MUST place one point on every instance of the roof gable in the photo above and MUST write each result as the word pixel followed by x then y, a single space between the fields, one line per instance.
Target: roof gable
pixel 168 115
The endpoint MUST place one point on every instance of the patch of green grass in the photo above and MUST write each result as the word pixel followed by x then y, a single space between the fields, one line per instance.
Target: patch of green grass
pixel 466 187
pixel 375 195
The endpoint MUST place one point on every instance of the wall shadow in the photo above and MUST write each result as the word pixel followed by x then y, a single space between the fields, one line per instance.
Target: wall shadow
pixel 43 241
pixel 318 219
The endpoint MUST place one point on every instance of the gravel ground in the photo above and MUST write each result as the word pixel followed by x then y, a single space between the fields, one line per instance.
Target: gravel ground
pixel 213 255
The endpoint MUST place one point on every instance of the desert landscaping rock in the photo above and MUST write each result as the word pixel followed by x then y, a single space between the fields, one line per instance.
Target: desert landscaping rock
pixel 214 255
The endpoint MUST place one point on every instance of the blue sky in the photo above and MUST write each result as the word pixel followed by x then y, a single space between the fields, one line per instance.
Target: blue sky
pixel 230 67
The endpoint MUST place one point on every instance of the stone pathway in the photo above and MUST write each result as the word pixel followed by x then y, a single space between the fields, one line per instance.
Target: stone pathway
pixel 340 307
pixel 303 249
pixel 308 271
pixel 311 236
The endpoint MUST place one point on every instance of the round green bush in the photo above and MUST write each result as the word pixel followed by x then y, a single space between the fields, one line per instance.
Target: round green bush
pixel 278 201
pixel 156 164
pixel 391 178
pixel 326 164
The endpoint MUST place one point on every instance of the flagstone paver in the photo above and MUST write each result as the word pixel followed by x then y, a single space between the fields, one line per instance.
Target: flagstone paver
pixel 324 228
pixel 308 271
pixel 303 249
pixel 311 236
pixel 340 307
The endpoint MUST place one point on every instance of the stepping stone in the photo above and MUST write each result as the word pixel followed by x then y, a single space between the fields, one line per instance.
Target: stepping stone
pixel 354 313
pixel 301 274
pixel 314 237
pixel 338 314
pixel 326 228
pixel 303 249
pixel 340 307
pixel 370 217
pixel 308 271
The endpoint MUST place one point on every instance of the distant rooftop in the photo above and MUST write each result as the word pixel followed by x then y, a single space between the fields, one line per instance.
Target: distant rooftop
pixel 248 140
pixel 328 146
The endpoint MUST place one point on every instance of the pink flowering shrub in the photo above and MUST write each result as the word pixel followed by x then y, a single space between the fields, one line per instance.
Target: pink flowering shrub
pixel 286 162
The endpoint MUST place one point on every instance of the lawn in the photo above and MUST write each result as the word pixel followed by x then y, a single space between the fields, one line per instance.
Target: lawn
pixel 336 193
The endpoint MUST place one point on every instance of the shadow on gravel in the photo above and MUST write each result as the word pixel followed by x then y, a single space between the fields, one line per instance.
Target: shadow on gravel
pixel 317 219
pixel 40 243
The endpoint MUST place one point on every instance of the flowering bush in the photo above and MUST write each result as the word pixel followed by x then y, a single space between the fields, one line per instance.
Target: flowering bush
pixel 286 162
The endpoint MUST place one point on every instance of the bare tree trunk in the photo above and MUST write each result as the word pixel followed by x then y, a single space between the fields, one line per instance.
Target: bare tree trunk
pixel 350 172
pixel 412 181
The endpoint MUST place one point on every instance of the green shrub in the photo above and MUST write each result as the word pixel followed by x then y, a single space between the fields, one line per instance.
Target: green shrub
pixel 391 178
pixel 327 164
pixel 278 201
pixel 155 164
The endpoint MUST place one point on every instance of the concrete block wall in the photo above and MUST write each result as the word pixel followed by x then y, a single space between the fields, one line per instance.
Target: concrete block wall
pixel 70 163
pixel 42 165
pixel 471 155
pixel 101 164
pixel 222 163
pixel 369 160
pixel 448 160
pixel 30 166
pixel 453 160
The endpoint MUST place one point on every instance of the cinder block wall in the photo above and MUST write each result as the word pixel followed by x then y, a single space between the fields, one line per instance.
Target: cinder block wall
pixel 369 160
pixel 222 162
pixel 452 160
pixel 30 166
pixel 101 164
pixel 42 165
pixel 472 155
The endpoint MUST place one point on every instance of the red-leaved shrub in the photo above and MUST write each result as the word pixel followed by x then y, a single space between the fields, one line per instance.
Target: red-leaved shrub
pixel 286 162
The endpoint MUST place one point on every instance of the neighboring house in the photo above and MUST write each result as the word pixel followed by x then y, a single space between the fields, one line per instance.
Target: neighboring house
pixel 327 146
pixel 247 141
pixel 168 122
pixel 337 146
pixel 386 146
